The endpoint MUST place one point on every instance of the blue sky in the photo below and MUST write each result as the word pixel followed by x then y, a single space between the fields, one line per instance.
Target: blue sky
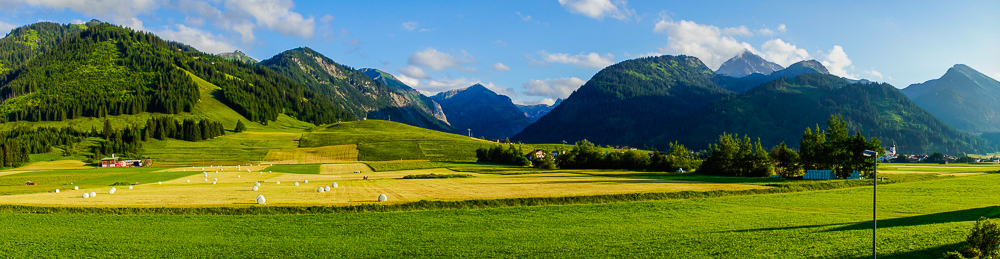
pixel 536 51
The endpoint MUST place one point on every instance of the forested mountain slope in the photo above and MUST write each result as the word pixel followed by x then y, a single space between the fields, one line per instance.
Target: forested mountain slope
pixel 962 97
pixel 350 89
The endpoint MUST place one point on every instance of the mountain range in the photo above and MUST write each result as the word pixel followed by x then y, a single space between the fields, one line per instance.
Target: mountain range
pixel 536 111
pixel 53 72
pixel 747 63
pixel 482 112
pixel 962 97
pixel 353 90
pixel 651 102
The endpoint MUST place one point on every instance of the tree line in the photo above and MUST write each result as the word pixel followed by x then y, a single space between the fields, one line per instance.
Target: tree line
pixel 585 155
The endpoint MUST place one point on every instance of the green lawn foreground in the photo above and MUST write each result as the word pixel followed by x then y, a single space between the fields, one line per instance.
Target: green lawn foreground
pixel 917 220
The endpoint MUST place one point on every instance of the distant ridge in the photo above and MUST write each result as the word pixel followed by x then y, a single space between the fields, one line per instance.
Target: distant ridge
pixel 747 63
pixel 485 112
pixel 962 97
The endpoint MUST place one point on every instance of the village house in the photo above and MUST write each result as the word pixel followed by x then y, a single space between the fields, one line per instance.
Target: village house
pixel 114 161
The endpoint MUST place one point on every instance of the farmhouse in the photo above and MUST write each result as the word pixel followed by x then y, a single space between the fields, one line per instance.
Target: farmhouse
pixel 538 154
pixel 114 161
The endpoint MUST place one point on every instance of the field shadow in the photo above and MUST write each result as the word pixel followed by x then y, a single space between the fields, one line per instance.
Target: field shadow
pixel 937 218
pixel 933 252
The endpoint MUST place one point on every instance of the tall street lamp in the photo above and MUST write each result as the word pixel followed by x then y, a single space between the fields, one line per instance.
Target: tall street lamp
pixel 874 196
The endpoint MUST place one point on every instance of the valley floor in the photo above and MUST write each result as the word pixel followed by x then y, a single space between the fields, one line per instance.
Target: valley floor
pixel 917 219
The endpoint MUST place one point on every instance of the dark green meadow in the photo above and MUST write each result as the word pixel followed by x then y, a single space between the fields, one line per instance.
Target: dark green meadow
pixel 919 219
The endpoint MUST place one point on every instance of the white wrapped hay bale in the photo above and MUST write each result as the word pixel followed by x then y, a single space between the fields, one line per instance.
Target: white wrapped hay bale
pixel 76 188
pixel 213 182
pixel 238 176
pixel 129 187
pixel 306 181
pixel 189 180
pixel 206 179
pixel 334 184
pixel 216 179
pixel 254 188
pixel 382 197
pixel 93 194
pixel 278 182
pixel 256 184
pixel 327 188
pixel 320 189
pixel 57 190
pixel 296 184
pixel 86 195
pixel 159 182
pixel 112 191
pixel 260 199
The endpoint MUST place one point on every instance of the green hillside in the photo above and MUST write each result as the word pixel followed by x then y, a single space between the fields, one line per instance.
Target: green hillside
pixel 629 103
pixel 237 56
pixel 781 110
pixel 350 89
pixel 108 70
pixel 380 140
pixel 26 42
pixel 962 97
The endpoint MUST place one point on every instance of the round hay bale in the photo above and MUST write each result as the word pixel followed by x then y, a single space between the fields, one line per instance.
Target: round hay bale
pixel 307 181
pixel 216 179
pixel 93 194
pixel 260 199
pixel 320 189
pixel 256 184
pixel 57 190
pixel 159 182
pixel 189 180
pixel 213 182
pixel 76 188
pixel 382 197
pixel 112 191
pixel 255 188
pixel 238 176
pixel 335 185
pixel 296 184
pixel 129 187
pixel 327 188
pixel 278 182
pixel 86 195
pixel 206 179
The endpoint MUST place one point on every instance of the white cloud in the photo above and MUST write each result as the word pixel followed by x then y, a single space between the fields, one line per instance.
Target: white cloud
pixel 467 69
pixel 996 76
pixel 591 60
pixel 436 60
pixel 873 74
pixel 276 15
pixel 598 9
pixel 412 82
pixel 326 18
pixel 545 101
pixel 202 40
pixel 500 67
pixel 766 32
pixel 526 18
pixel 410 25
pixel 122 12
pixel 553 87
pixel 741 31
pixel 837 63
pixel 706 42
pixel 782 53
pixel 414 72
pixel 6 28
pixel 782 28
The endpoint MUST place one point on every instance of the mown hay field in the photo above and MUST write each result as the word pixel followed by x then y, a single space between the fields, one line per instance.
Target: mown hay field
pixel 916 220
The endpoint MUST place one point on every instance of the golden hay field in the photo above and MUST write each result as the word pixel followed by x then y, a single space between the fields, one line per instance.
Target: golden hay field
pixel 233 188
pixel 318 155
